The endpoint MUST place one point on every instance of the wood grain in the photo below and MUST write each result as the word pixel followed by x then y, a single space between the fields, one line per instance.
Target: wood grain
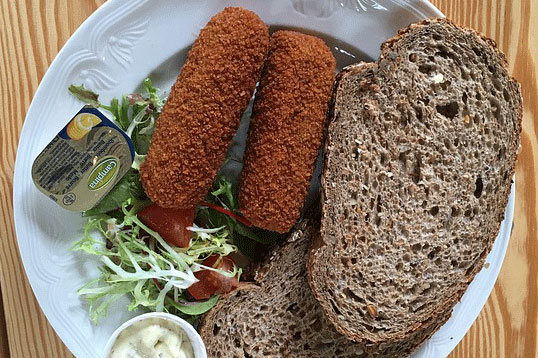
pixel 4 346
pixel 31 34
pixel 508 325
pixel 33 31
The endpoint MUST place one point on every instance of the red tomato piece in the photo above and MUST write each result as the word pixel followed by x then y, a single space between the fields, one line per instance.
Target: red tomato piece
pixel 211 282
pixel 171 224
pixel 231 214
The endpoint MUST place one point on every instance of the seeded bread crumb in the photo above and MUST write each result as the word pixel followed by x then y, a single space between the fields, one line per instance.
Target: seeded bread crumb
pixel 279 317
pixel 419 160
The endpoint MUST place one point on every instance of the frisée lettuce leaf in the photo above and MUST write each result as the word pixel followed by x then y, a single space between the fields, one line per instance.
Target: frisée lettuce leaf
pixel 137 261
pixel 134 260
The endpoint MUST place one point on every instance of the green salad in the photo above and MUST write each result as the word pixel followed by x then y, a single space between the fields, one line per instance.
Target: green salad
pixel 134 240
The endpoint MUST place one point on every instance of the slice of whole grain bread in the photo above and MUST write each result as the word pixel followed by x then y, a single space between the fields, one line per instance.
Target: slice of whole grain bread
pixel 419 160
pixel 279 317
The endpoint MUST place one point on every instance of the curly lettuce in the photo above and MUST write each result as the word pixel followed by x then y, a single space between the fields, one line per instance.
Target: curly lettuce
pixel 137 261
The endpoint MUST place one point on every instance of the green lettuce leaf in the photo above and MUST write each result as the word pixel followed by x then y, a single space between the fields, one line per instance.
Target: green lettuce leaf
pixel 85 95
pixel 197 308
pixel 138 262
pixel 253 242
pixel 129 187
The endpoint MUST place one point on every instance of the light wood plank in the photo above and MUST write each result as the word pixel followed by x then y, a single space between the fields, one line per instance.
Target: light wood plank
pixel 507 326
pixel 4 346
pixel 32 32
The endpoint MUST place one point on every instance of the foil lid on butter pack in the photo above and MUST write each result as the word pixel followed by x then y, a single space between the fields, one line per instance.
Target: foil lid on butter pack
pixel 84 161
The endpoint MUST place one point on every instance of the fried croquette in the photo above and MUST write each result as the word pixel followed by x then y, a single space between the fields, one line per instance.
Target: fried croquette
pixel 204 108
pixel 286 129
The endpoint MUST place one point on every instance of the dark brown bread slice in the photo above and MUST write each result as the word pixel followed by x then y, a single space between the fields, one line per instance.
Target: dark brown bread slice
pixel 419 161
pixel 279 317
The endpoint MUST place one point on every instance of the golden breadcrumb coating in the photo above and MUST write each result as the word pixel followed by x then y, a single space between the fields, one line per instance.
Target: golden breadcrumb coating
pixel 286 129
pixel 204 108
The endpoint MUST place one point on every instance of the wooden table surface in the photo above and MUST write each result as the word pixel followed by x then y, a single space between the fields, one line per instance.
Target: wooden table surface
pixel 33 31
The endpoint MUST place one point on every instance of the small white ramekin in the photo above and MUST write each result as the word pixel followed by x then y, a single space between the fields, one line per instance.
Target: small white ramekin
pixel 198 346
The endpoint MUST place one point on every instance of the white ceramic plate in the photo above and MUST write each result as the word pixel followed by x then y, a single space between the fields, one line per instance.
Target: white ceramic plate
pixel 112 52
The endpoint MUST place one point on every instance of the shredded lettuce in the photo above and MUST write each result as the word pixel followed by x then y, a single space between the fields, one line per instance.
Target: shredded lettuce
pixel 137 261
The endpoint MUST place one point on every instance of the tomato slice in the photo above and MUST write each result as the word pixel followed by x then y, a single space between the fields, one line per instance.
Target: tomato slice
pixel 211 282
pixel 171 224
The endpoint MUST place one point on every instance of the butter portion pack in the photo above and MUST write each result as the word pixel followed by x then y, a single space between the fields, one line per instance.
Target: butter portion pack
pixel 84 161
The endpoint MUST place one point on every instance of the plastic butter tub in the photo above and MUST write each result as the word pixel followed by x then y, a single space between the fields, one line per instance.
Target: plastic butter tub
pixel 83 161
pixel 131 338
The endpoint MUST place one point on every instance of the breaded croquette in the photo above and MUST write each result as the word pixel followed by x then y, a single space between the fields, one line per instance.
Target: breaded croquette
pixel 204 108
pixel 286 129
